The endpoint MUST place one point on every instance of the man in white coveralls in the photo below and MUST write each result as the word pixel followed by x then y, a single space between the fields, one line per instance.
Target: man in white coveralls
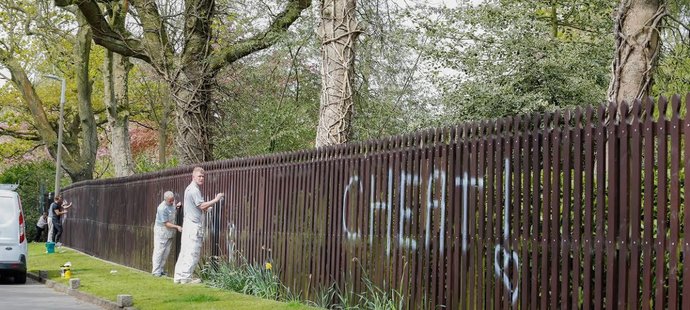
pixel 163 232
pixel 193 228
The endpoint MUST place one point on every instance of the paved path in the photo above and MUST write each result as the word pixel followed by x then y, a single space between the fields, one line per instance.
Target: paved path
pixel 34 295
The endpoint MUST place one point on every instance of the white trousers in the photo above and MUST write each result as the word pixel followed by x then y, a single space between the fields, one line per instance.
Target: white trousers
pixel 50 229
pixel 162 243
pixel 190 250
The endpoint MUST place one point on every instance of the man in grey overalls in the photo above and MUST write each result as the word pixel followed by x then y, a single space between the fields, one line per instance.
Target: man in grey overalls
pixel 193 232
pixel 163 232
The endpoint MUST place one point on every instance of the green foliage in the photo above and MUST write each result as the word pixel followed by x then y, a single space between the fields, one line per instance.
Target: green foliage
pixel 145 163
pixel 41 38
pixel 258 281
pixel 377 299
pixel 346 299
pixel 246 279
pixel 324 296
pixel 150 104
pixel 373 297
pixel 226 276
pixel 15 150
pixel 269 105
pixel 34 179
pixel 506 57
pixel 672 75
pixel 393 95
pixel 262 283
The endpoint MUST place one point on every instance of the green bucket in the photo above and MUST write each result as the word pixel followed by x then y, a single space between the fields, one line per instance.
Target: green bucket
pixel 50 247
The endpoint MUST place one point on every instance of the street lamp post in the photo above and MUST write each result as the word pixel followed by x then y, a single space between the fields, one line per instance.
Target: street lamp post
pixel 58 164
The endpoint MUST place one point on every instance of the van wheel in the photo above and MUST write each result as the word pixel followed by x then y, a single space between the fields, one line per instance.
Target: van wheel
pixel 20 278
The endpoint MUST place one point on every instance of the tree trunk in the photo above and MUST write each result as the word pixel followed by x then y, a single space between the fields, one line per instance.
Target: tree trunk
pixel 167 108
pixel 192 90
pixel 115 81
pixel 192 97
pixel 637 47
pixel 87 121
pixel 116 85
pixel 338 31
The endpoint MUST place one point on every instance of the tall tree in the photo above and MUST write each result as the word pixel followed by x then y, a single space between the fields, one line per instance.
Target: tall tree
pixel 338 31
pixel 80 141
pixel 116 68
pixel 637 28
pixel 87 121
pixel 189 65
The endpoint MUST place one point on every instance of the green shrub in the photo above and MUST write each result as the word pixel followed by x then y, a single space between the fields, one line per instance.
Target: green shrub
pixel 245 278
pixel 34 179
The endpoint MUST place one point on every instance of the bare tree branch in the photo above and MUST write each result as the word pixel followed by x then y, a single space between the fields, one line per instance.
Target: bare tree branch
pixel 103 34
pixel 19 134
pixel 19 154
pixel 262 40
pixel 142 124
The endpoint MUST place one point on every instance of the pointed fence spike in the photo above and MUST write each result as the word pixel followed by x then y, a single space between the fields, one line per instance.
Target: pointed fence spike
pixel 636 111
pixel 637 107
pixel 589 113
pixel 687 108
pixel 623 110
pixel 524 119
pixel 554 118
pixel 663 106
pixel 612 113
pixel 648 109
pixel 577 117
pixel 601 113
pixel 675 105
pixel 567 117
pixel 517 121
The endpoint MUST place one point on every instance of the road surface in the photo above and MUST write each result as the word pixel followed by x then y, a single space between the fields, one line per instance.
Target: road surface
pixel 35 295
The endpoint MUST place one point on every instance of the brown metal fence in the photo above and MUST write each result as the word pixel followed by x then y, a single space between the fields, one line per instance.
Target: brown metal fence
pixel 562 210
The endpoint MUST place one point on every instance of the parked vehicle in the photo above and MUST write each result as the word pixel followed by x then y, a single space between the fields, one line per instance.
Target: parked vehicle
pixel 13 248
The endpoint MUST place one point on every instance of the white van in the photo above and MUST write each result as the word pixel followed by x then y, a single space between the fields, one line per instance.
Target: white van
pixel 12 235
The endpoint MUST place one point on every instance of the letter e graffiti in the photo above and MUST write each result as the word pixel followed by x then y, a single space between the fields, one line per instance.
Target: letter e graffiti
pixel 434 178
pixel 406 179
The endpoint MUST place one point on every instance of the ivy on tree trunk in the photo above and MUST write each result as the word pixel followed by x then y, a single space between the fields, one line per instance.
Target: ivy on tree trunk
pixel 636 31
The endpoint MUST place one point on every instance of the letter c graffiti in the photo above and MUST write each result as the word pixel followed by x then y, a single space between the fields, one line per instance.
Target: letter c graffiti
pixel 350 235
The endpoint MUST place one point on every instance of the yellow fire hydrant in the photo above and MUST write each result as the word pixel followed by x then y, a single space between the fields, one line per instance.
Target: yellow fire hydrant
pixel 66 270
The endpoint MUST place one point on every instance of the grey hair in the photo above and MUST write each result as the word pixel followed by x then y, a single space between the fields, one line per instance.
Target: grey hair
pixel 168 194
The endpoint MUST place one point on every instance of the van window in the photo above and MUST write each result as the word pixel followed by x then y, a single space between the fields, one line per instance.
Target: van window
pixel 8 209
pixel 8 217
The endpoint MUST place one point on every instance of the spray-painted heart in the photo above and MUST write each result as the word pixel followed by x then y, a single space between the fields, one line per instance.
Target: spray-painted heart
pixel 502 270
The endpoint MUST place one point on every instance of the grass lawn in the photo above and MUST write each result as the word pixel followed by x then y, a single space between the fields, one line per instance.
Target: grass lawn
pixel 147 291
